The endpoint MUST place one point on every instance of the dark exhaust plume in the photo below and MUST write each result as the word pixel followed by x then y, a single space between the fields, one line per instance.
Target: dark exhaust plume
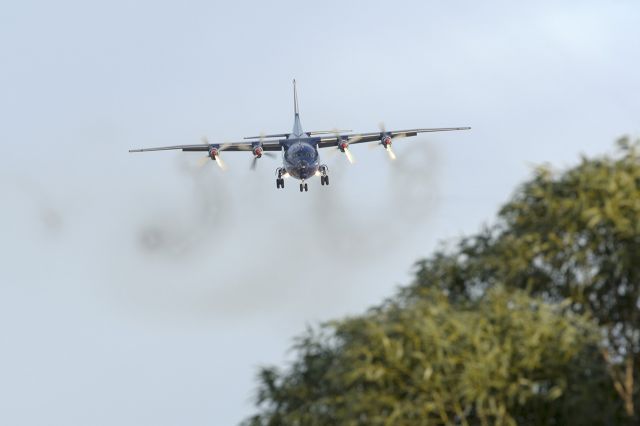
pixel 269 251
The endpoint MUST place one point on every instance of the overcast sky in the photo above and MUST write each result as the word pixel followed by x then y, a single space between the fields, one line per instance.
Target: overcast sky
pixel 141 289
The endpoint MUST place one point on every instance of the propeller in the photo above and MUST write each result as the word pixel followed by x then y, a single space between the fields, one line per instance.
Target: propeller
pixel 254 163
pixel 349 155
pixel 258 151
pixel 220 163
pixel 343 146
pixel 385 141
pixel 213 154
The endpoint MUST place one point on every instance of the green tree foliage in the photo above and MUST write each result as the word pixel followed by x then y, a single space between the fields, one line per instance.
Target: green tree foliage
pixel 534 321
pixel 493 361
pixel 572 235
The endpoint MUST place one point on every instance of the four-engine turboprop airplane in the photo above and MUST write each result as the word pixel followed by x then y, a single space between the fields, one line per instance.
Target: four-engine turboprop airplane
pixel 301 159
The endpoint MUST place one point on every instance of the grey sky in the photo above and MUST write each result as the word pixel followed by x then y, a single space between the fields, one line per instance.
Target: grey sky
pixel 137 289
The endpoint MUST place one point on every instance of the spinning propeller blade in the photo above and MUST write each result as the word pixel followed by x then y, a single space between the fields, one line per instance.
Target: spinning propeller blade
pixel 220 163
pixel 254 161
pixel 347 152
pixel 218 160
pixel 203 160
pixel 392 155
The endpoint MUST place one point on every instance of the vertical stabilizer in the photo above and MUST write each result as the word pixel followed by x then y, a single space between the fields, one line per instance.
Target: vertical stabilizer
pixel 297 127
pixel 295 98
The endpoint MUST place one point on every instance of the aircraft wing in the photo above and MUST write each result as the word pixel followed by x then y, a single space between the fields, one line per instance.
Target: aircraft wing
pixel 328 141
pixel 225 146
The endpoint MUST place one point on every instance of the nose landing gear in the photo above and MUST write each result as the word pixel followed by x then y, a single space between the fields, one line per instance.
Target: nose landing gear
pixel 304 187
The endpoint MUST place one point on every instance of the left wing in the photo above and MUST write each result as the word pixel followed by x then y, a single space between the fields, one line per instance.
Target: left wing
pixel 328 141
pixel 224 146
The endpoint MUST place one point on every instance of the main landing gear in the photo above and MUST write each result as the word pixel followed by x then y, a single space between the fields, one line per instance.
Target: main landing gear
pixel 324 177
pixel 279 179
pixel 304 186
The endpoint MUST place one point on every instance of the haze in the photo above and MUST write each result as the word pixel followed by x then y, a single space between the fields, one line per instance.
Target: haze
pixel 139 289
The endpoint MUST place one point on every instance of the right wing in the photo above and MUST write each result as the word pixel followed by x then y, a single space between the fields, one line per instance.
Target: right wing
pixel 328 141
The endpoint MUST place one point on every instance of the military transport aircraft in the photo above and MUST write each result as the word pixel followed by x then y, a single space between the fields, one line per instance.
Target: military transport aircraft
pixel 301 159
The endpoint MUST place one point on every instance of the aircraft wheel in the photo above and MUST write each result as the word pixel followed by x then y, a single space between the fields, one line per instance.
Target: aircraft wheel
pixel 326 180
pixel 301 187
pixel 306 187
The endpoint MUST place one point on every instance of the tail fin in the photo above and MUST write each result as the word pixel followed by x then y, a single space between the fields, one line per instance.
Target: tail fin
pixel 297 131
pixel 295 98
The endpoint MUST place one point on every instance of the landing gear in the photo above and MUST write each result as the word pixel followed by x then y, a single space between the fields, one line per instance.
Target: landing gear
pixel 324 177
pixel 279 179
pixel 304 187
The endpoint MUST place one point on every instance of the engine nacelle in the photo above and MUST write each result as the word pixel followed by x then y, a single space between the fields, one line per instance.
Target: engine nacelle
pixel 213 152
pixel 258 151
pixel 385 141
pixel 343 145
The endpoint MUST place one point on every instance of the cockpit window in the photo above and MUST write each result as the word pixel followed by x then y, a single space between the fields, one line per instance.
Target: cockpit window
pixel 301 153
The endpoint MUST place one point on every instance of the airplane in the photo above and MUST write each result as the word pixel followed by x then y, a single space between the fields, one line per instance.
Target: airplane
pixel 300 156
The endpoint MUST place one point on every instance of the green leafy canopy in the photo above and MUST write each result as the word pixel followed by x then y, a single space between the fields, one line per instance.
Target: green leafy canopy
pixel 535 320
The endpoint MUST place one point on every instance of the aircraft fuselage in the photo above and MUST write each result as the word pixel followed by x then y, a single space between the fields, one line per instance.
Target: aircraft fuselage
pixel 301 158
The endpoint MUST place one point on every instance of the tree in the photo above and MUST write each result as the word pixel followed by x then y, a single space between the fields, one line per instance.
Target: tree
pixel 535 320
pixel 574 235
pixel 504 359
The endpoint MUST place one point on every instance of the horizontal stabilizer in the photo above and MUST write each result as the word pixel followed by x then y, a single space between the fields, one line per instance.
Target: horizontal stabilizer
pixel 328 132
pixel 278 135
